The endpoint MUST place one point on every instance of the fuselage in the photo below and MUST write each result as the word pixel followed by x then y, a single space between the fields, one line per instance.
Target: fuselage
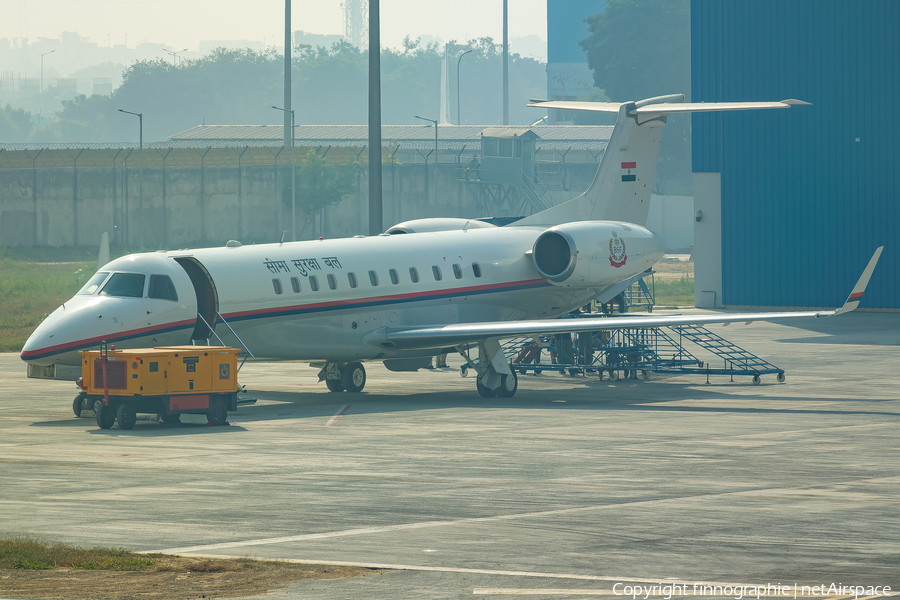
pixel 318 300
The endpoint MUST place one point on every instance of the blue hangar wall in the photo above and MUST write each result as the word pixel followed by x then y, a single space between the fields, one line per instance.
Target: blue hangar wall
pixel 808 192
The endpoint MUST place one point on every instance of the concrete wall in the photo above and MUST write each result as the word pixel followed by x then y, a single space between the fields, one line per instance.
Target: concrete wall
pixel 193 206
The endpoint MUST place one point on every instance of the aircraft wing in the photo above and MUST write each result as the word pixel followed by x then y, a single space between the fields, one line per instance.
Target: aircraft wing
pixel 462 333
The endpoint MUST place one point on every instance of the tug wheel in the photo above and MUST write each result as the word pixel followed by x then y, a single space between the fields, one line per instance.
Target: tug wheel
pixel 78 405
pixel 126 416
pixel 218 414
pixel 106 416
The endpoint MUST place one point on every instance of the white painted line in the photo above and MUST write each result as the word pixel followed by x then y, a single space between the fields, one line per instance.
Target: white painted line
pixel 499 572
pixel 540 592
pixel 331 422
pixel 381 529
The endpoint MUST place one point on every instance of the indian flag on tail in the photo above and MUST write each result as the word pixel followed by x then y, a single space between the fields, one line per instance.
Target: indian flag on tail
pixel 627 167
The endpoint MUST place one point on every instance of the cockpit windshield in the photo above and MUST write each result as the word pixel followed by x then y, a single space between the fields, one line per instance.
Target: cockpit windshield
pixel 125 285
pixel 93 283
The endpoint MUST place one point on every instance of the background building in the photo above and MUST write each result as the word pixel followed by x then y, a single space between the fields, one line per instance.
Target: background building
pixel 795 201
pixel 568 75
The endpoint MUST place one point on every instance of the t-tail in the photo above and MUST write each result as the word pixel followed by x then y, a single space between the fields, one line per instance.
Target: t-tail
pixel 624 181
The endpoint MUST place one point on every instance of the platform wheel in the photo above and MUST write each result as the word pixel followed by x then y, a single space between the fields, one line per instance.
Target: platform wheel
pixel 218 414
pixel 780 378
pixel 523 371
pixel 613 375
pixel 170 419
pixel 334 385
pixel 538 371
pixel 756 380
pixel 353 376
pixel 78 405
pixel 126 416
pixel 483 390
pixel 464 370
pixel 645 374
pixel 106 416
pixel 508 385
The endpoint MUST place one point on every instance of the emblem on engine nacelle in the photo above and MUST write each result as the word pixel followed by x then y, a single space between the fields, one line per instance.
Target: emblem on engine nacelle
pixel 617 256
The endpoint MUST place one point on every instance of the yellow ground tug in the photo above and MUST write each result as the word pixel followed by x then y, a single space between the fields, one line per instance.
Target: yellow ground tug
pixel 169 381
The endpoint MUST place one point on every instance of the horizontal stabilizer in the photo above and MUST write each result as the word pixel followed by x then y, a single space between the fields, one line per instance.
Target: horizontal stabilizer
pixel 663 105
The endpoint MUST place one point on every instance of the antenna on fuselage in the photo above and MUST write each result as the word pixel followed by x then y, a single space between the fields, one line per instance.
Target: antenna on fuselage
pixel 281 242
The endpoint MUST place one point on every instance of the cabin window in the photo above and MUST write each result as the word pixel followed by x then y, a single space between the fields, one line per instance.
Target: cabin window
pixel 313 283
pixel 276 283
pixel 373 278
pixel 490 146
pixel 332 281
pixel 506 148
pixel 395 278
pixel 436 271
pixel 457 271
pixel 124 285
pixel 295 283
pixel 161 288
pixel 414 275
pixel 93 283
pixel 476 268
pixel 351 277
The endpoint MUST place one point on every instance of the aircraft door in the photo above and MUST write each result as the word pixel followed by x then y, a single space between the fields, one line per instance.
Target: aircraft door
pixel 207 297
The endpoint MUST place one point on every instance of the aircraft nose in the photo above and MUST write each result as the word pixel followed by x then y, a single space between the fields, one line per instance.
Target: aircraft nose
pixel 35 343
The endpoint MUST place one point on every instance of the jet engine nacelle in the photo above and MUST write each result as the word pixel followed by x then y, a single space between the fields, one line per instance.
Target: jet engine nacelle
pixel 594 253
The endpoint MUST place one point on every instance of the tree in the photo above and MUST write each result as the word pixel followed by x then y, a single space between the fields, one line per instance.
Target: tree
pixel 319 185
pixel 329 88
pixel 640 49
pixel 15 124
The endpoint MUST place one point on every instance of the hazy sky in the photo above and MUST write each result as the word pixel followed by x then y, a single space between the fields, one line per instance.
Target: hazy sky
pixel 183 23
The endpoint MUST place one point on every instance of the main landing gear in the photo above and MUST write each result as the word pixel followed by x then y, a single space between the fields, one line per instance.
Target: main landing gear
pixel 341 377
pixel 495 378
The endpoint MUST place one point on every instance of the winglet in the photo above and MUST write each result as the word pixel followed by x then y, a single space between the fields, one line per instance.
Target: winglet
pixel 860 287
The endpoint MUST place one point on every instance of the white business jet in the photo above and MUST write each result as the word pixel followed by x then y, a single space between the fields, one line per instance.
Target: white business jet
pixel 424 287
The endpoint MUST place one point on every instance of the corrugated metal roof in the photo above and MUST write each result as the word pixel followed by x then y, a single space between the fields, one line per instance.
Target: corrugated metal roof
pixel 408 136
pixel 505 132
pixel 809 193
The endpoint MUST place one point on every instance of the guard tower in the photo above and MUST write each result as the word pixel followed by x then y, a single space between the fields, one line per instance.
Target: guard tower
pixel 503 182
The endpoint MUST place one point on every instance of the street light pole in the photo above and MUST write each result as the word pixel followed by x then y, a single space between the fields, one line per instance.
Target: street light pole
pixel 293 177
pixel 458 121
pixel 505 62
pixel 42 81
pixel 435 136
pixel 175 56
pixel 140 117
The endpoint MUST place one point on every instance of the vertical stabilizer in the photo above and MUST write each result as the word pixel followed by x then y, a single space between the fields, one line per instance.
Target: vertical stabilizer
pixel 622 185
pixel 624 181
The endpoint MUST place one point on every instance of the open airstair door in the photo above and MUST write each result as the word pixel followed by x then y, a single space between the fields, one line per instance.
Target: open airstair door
pixel 207 297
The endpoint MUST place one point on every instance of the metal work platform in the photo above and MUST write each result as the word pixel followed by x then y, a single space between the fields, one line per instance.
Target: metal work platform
pixel 636 352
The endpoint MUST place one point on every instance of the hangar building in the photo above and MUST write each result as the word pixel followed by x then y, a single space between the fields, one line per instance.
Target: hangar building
pixel 795 201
